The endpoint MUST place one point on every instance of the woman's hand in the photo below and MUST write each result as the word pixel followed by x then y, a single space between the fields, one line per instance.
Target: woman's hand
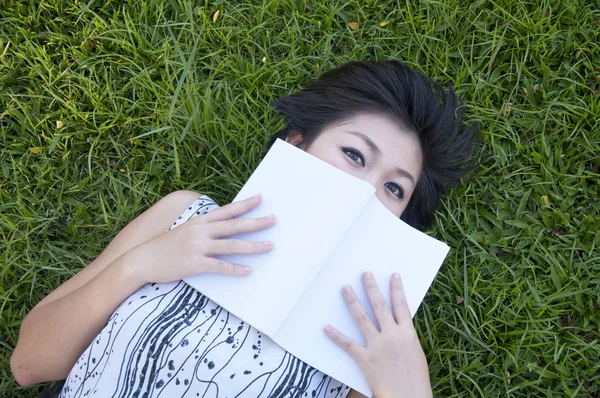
pixel 393 361
pixel 190 248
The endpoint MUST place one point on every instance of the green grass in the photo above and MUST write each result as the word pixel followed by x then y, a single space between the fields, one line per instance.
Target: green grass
pixel 176 100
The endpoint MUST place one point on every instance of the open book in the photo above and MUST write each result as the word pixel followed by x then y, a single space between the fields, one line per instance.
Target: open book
pixel 330 229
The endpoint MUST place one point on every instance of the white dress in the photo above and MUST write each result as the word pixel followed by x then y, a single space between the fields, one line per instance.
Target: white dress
pixel 168 340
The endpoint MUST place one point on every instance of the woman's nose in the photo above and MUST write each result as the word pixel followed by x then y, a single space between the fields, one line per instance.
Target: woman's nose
pixel 380 194
pixel 375 181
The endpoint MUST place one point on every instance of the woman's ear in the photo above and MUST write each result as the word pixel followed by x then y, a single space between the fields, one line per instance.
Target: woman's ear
pixel 293 138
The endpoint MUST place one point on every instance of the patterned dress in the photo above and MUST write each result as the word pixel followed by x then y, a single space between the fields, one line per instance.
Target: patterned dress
pixel 168 340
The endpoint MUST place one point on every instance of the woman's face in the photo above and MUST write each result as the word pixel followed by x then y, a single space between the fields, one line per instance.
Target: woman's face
pixel 375 149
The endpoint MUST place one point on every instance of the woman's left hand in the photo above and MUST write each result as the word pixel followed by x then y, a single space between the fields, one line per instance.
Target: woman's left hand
pixel 393 361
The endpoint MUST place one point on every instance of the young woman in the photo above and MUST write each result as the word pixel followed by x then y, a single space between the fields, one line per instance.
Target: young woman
pixel 127 326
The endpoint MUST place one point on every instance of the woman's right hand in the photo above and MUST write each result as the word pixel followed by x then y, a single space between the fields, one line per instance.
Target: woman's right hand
pixel 190 248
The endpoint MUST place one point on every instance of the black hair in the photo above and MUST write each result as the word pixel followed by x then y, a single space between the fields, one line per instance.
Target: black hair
pixel 414 101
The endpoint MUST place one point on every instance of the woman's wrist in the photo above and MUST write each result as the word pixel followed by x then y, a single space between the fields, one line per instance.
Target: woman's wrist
pixel 132 268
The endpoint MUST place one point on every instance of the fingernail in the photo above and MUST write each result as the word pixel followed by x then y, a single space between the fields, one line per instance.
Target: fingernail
pixel 246 269
pixel 270 217
pixel 267 242
pixel 255 196
pixel 368 275
pixel 347 289
pixel 327 329
pixel 396 276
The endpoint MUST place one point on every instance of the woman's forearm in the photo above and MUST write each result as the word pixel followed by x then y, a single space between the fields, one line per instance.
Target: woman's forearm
pixel 52 337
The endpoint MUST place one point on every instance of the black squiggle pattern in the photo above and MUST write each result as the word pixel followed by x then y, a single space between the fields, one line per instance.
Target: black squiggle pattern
pixel 168 340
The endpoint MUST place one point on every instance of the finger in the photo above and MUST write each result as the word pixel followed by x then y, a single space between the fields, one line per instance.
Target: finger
pixel 232 210
pixel 344 342
pixel 399 303
pixel 221 229
pixel 239 246
pixel 361 318
pixel 380 307
pixel 219 266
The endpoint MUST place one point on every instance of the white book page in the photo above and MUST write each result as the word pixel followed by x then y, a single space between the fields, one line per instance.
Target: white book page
pixel 315 203
pixel 378 242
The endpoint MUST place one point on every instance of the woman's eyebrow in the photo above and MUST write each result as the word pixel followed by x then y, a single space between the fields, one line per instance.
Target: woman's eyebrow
pixel 377 151
pixel 367 140
pixel 406 174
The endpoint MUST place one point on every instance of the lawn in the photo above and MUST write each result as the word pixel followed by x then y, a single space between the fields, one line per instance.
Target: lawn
pixel 105 107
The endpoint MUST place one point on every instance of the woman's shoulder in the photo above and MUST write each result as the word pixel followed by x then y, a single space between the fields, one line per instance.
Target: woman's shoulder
pixel 198 204
pixel 188 197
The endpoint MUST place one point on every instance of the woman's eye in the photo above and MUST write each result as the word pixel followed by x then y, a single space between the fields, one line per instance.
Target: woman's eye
pixel 355 155
pixel 396 189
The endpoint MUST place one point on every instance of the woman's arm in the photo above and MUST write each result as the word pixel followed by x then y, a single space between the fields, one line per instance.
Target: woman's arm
pixel 53 336
pixel 60 327
pixel 153 222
